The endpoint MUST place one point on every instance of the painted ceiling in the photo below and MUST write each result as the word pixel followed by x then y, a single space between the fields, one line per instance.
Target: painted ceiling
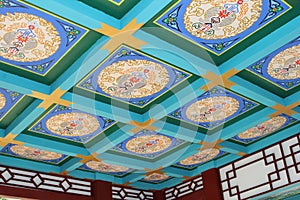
pixel 145 93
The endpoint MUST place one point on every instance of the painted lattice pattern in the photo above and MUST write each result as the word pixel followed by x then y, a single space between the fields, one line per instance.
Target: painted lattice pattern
pixel 29 179
pixel 184 188
pixel 130 194
pixel 262 172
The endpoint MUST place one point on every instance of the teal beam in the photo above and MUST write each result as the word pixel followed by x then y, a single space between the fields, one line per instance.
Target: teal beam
pixel 25 118
pixel 28 164
pixel 174 55
pixel 226 159
pixel 294 98
pixel 23 86
pixel 2 133
pixel 263 47
pixel 70 165
pixel 78 12
pixel 255 92
pixel 158 186
pixel 232 147
pixel 100 108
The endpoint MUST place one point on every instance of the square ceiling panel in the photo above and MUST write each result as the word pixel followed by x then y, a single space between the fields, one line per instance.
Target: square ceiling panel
pixel 70 124
pixel 156 178
pixel 263 129
pixel 100 166
pixel 217 26
pixel 33 154
pixel 132 77
pixel 148 144
pixel 34 40
pixel 213 108
pixel 8 99
pixel 203 156
pixel 281 67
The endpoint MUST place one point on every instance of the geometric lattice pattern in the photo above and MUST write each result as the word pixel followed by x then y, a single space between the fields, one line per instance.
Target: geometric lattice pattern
pixel 184 188
pixel 274 167
pixel 28 179
pixel 126 193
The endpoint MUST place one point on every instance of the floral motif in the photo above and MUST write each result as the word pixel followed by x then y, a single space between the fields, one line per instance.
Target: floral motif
pixel 201 157
pixel 35 154
pixel 2 101
pixel 27 38
pixel 217 25
pixel 212 109
pixel 286 64
pixel 105 168
pixel 156 177
pixel 72 124
pixel 148 144
pixel 221 19
pixel 133 78
pixel 264 128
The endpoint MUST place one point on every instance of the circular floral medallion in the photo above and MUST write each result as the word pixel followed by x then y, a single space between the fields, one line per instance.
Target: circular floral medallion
pixel 133 78
pixel 105 168
pixel 156 177
pixel 2 101
pixel 27 38
pixel 264 128
pixel 201 157
pixel 72 124
pixel 286 64
pixel 35 154
pixel 148 144
pixel 211 19
pixel 212 109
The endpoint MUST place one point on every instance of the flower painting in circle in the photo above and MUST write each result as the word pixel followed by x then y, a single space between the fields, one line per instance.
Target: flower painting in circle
pixel 156 178
pixel 200 158
pixel 100 166
pixel 34 40
pixel 33 154
pixel 281 67
pixel 71 124
pixel 264 128
pixel 8 99
pixel 219 25
pixel 213 108
pixel 132 77
pixel 148 144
